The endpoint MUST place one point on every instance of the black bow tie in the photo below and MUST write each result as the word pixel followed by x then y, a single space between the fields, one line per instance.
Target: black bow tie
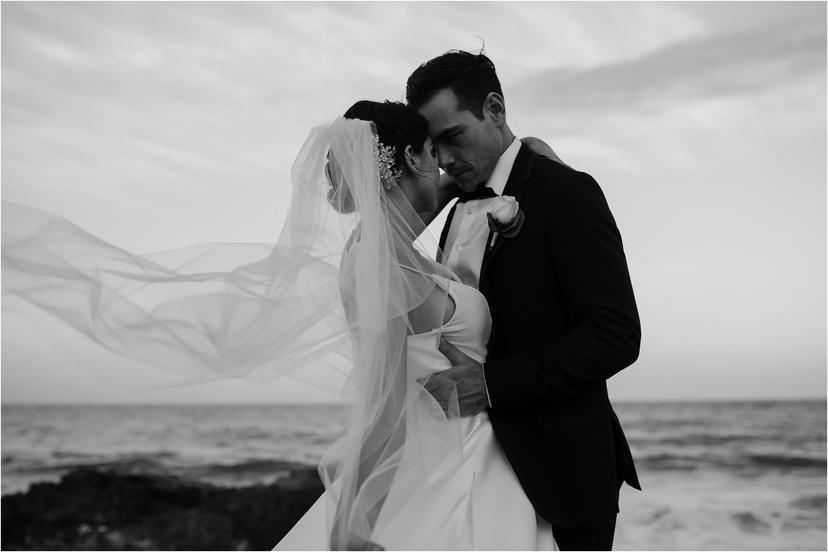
pixel 481 192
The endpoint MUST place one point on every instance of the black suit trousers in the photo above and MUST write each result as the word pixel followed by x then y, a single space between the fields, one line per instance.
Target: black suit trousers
pixel 595 534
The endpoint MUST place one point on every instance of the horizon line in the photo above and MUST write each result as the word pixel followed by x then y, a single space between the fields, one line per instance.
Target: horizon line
pixel 344 403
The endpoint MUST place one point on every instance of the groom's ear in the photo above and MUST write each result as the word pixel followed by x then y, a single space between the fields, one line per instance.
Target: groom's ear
pixel 495 107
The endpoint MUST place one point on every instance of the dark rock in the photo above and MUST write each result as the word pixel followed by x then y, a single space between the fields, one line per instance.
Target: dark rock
pixel 91 509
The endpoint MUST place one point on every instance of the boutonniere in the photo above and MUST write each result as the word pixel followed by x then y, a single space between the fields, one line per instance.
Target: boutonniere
pixel 505 218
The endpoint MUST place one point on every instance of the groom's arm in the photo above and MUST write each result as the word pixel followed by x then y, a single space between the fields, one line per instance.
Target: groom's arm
pixel 591 267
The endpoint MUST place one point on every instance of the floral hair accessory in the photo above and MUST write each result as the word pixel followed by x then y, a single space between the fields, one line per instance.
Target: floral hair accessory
pixel 386 161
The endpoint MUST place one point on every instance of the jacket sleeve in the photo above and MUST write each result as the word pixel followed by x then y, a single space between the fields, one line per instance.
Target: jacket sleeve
pixel 588 258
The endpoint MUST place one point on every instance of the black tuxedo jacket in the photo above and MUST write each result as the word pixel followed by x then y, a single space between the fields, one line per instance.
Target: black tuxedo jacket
pixel 564 321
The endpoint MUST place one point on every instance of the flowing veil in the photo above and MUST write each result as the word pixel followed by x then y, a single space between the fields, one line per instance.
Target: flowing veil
pixel 334 303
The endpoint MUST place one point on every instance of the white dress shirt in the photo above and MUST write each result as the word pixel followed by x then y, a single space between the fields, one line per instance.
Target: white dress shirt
pixel 466 238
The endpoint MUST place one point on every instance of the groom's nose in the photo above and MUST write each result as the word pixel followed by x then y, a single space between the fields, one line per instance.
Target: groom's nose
pixel 444 158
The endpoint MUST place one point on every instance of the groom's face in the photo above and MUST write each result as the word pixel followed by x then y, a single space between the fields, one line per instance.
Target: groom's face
pixel 467 148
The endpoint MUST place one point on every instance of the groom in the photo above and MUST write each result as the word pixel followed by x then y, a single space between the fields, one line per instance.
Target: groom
pixel 564 314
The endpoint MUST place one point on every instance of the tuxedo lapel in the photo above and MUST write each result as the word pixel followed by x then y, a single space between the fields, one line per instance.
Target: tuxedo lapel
pixel 521 170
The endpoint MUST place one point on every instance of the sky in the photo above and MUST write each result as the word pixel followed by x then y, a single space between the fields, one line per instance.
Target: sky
pixel 159 125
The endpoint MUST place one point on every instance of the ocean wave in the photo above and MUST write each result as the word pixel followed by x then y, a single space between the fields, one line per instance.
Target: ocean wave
pixel 810 502
pixel 251 466
pixel 751 523
pixel 787 461
pixel 688 461
pixel 249 471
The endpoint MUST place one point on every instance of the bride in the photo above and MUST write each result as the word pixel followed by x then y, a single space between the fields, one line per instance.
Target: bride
pixel 419 478
pixel 347 290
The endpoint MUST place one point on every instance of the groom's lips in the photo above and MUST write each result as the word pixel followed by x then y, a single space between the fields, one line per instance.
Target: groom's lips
pixel 458 173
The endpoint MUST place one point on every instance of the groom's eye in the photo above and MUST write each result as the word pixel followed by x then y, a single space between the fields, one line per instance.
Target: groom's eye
pixel 453 136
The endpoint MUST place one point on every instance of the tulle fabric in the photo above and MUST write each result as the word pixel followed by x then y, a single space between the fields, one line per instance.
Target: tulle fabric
pixel 331 303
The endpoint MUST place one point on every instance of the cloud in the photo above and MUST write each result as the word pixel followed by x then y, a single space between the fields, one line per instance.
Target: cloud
pixel 157 125
pixel 710 66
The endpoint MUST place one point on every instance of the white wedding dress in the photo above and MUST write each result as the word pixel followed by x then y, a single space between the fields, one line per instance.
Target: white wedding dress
pixel 477 488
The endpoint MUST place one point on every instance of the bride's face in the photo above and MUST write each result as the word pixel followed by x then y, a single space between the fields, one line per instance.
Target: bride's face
pixel 421 186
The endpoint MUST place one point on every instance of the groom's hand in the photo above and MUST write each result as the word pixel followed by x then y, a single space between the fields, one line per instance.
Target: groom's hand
pixel 465 374
pixel 541 148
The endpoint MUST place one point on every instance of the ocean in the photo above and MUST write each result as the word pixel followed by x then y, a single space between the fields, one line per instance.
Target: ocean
pixel 715 475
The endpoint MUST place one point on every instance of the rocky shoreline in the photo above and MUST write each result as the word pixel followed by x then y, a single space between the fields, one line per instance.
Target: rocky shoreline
pixel 94 509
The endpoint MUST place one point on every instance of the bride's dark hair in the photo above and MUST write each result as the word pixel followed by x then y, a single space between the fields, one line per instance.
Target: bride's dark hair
pixel 397 125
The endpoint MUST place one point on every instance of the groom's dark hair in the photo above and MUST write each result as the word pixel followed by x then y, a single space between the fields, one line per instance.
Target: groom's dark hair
pixel 470 76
